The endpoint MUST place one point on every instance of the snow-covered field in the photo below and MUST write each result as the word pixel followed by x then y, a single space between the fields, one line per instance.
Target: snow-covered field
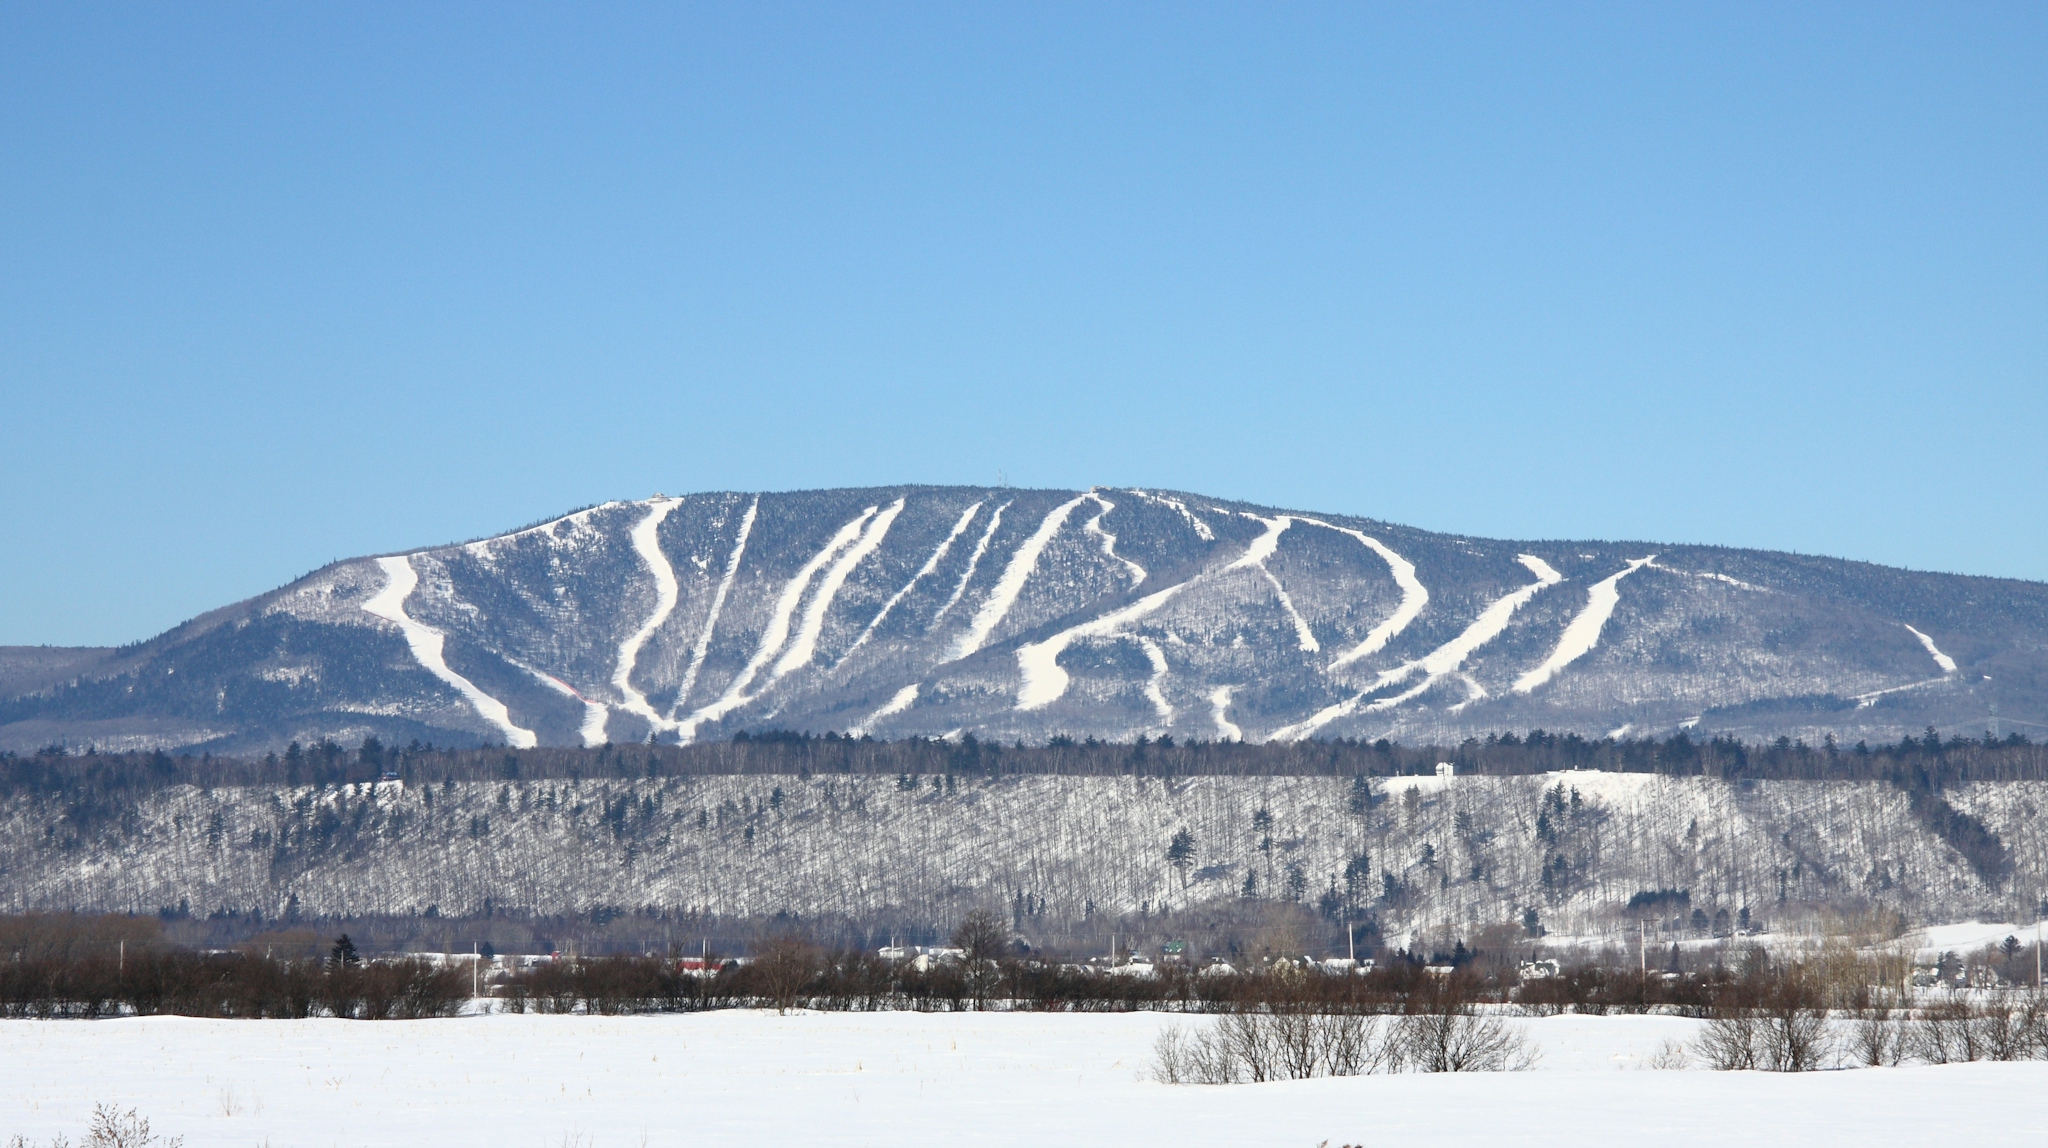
pixel 756 1078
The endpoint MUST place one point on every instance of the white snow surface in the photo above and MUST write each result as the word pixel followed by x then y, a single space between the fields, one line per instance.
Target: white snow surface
pixel 895 705
pixel 1414 595
pixel 1583 633
pixel 1043 681
pixel 973 562
pixel 1255 557
pixel 1011 584
pixel 596 715
pixel 1201 528
pixel 751 1078
pixel 1219 708
pixel 426 644
pixel 777 632
pixel 1155 686
pixel 804 646
pixel 930 564
pixel 732 568
pixel 647 543
pixel 1947 664
pixel 1108 540
pixel 1438 663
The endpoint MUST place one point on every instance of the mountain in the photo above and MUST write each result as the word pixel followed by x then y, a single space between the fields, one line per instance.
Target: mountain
pixel 1029 614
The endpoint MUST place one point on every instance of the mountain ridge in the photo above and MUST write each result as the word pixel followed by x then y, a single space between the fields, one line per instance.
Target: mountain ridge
pixel 1022 614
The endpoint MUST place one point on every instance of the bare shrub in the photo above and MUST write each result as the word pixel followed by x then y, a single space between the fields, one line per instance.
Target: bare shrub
pixel 1465 1041
pixel 1877 1033
pixel 1729 1041
pixel 113 1128
pixel 1252 1046
pixel 1945 1034
pixel 1669 1057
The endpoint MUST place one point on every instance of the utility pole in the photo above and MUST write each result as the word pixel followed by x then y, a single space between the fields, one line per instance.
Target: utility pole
pixel 1642 948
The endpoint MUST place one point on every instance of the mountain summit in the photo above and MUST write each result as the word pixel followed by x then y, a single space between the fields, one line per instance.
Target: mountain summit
pixel 1030 614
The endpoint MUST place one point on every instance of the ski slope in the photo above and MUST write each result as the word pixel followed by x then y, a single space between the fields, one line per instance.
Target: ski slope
pixel 647 544
pixel 938 555
pixel 1015 574
pixel 1438 663
pixel 732 569
pixel 426 644
pixel 1947 664
pixel 1583 633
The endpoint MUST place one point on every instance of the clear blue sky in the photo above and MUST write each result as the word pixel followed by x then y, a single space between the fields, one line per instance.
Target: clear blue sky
pixel 286 283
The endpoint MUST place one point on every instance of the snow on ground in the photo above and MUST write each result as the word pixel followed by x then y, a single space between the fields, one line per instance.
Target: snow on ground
pixel 426 642
pixel 777 633
pixel 1583 633
pixel 1414 595
pixel 1026 1079
pixel 1011 584
pixel 973 562
pixel 647 543
pixel 1967 937
pixel 804 646
pixel 1255 557
pixel 596 715
pixel 1155 686
pixel 732 568
pixel 895 705
pixel 1947 664
pixel 1219 708
pixel 930 564
pixel 1107 540
pixel 1439 663
pixel 1201 528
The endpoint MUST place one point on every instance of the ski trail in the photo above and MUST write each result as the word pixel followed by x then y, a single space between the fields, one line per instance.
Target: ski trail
pixel 1219 708
pixel 804 646
pixel 648 545
pixel 1011 584
pixel 1865 701
pixel 1711 575
pixel 596 715
pixel 930 564
pixel 777 632
pixel 973 560
pixel 1255 557
pixel 732 567
pixel 1583 633
pixel 426 644
pixel 1414 595
pixel 1438 663
pixel 1039 663
pixel 579 517
pixel 1947 664
pixel 1202 530
pixel 1108 540
pixel 895 705
pixel 1155 686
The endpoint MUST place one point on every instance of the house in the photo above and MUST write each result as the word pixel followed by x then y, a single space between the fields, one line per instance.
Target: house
pixel 1445 769
pixel 1539 970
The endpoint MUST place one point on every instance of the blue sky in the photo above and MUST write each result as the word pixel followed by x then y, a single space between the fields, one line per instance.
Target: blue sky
pixel 286 283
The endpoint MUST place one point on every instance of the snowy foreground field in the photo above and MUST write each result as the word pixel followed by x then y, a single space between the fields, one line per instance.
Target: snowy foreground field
pixel 756 1078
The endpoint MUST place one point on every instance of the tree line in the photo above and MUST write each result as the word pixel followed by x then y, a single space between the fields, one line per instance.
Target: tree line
pixel 91 779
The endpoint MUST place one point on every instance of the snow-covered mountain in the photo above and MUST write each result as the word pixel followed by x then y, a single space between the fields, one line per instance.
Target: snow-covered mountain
pixel 1026 614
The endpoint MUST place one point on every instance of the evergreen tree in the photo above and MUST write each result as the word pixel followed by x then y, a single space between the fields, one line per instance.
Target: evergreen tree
pixel 344 953
pixel 1180 854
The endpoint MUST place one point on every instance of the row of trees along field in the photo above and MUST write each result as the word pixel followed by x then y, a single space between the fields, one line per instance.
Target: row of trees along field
pixel 1817 1009
pixel 1929 761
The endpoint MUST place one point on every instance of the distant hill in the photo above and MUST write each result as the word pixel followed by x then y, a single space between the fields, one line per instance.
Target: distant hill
pixel 1027 614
